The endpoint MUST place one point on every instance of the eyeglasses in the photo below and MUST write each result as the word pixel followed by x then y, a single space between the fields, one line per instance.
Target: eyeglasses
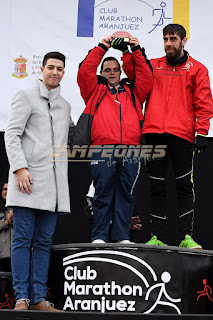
pixel 108 70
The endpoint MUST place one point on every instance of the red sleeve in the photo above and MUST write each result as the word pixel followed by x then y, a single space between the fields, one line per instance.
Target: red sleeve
pixel 138 70
pixel 202 101
pixel 87 73
pixel 143 75
pixel 129 65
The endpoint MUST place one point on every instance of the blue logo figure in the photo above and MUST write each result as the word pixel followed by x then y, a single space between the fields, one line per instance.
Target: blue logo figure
pixel 162 16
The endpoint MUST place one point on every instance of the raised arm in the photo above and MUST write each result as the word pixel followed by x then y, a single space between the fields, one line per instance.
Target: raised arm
pixel 129 63
pixel 140 69
pixel 87 74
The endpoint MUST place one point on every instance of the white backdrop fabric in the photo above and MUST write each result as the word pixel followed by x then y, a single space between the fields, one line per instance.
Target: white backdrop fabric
pixel 31 28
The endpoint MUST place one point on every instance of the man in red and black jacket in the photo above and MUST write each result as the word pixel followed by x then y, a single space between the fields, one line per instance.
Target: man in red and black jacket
pixel 179 106
pixel 112 117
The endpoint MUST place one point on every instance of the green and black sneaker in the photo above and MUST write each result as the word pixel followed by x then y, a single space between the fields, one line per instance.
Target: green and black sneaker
pixel 189 243
pixel 155 242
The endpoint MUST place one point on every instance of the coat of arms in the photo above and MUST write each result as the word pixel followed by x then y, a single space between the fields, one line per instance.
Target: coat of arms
pixel 20 70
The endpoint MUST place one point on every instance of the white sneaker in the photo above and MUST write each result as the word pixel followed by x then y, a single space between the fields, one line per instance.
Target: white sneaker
pixel 98 241
pixel 125 241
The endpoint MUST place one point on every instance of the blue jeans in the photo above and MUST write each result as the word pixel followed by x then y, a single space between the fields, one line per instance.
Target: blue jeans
pixel 32 229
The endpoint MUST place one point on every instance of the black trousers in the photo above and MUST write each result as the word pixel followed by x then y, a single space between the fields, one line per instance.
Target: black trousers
pixel 181 153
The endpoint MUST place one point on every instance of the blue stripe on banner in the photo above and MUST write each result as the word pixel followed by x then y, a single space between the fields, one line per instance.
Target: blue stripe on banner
pixel 85 18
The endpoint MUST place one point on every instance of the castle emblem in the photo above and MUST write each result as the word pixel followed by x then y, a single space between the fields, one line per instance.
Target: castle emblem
pixel 20 70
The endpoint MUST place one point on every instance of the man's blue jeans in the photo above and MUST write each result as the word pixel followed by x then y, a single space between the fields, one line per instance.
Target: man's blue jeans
pixel 32 228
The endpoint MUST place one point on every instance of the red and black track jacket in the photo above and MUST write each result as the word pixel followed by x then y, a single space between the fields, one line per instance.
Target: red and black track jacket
pixel 106 120
pixel 180 102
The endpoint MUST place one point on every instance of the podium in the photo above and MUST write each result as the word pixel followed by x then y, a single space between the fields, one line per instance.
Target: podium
pixel 133 278
pixel 116 281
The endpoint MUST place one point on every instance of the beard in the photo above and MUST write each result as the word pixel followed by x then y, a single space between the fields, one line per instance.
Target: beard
pixel 176 54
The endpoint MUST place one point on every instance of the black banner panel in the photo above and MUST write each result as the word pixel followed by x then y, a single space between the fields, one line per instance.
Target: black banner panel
pixel 7 298
pixel 131 279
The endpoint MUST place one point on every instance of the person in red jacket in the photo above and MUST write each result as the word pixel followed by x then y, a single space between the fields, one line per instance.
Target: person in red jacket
pixel 179 106
pixel 113 120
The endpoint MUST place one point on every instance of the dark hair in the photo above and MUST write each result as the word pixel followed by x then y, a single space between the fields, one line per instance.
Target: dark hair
pixel 2 201
pixel 53 55
pixel 109 59
pixel 173 28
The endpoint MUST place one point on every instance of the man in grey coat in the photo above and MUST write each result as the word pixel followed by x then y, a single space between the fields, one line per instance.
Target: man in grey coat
pixel 38 185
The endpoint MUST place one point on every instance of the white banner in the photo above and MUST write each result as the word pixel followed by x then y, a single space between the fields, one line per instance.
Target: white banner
pixel 30 29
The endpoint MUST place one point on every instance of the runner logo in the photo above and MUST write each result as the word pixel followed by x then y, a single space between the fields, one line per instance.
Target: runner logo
pixel 139 291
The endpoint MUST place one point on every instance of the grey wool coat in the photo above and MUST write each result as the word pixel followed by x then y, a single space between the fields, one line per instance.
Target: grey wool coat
pixel 38 124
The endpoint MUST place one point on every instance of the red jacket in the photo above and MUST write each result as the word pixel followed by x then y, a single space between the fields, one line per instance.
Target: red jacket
pixel 180 102
pixel 112 122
